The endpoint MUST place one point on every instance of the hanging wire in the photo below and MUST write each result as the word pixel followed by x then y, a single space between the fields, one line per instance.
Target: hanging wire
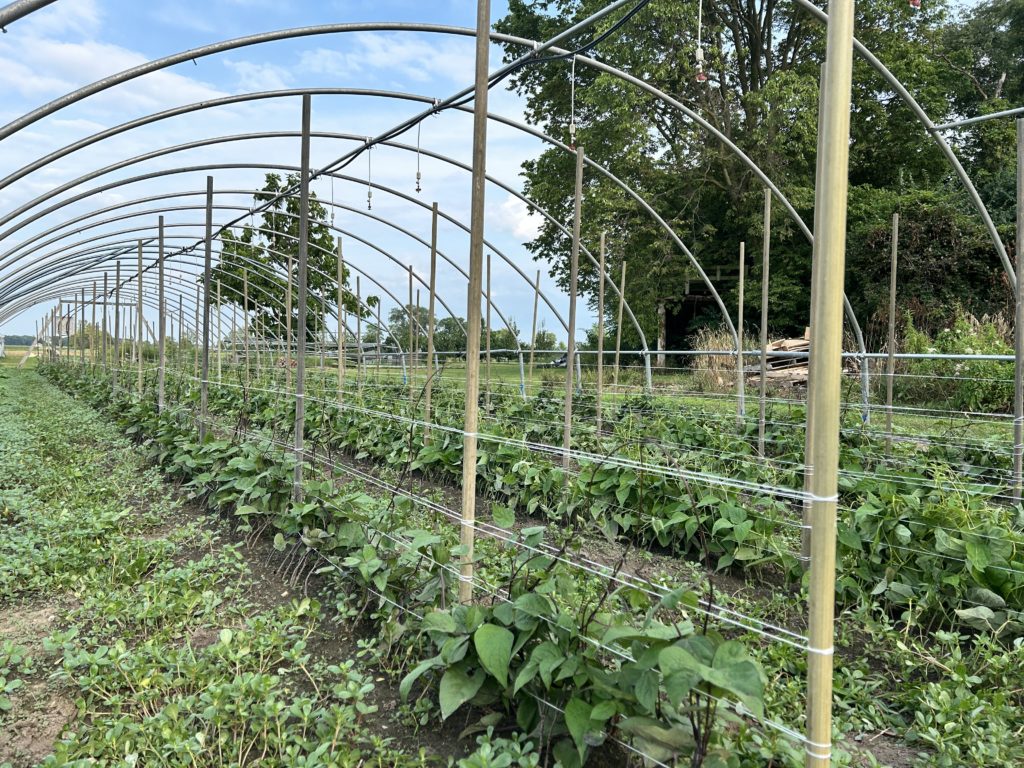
pixel 572 105
pixel 701 76
pixel 332 200
pixel 418 177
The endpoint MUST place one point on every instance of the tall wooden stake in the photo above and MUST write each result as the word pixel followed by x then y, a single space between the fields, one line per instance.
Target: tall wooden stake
pixel 487 328
pixel 116 357
pixel 161 342
pixel 600 334
pixel 890 361
pixel 1018 337
pixel 300 362
pixel 762 388
pixel 570 345
pixel 409 348
pixel 533 327
pixel 430 322
pixel 476 253
pixel 139 329
pixel 341 323
pixel 618 325
pixel 204 381
pixel 741 400
pixel 359 339
pixel 825 374
pixel 245 322
pixel 103 340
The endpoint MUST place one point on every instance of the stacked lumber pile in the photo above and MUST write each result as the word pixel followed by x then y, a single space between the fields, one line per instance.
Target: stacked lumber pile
pixel 783 369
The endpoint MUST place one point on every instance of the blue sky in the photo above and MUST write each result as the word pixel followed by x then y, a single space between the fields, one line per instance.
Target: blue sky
pixel 74 42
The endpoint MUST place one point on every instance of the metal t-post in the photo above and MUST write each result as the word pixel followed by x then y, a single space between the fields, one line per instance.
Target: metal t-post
pixel 162 329
pixel 570 345
pixel 300 331
pixel 476 253
pixel 204 381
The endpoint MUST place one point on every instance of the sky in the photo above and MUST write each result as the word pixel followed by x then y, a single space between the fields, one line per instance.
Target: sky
pixel 75 42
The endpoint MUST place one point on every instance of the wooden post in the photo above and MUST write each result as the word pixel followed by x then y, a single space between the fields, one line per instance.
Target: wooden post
pixel 1018 368
pixel 103 341
pixel 763 383
pixel 245 322
pixel 359 339
pixel 288 324
pixel 570 359
pixel 198 341
pixel 139 329
pixel 618 325
pixel 600 334
pixel 662 334
pixel 741 404
pixel 430 322
pixel 408 349
pixel 300 362
pixel 204 381
pixel 487 324
pixel 533 331
pixel 161 352
pixel 476 252
pixel 890 362
pixel 220 332
pixel 116 356
pixel 341 323
pixel 92 328
pixel 824 376
pixel 378 341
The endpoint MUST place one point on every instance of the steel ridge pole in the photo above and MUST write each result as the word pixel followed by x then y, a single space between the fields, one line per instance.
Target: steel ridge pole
pixel 825 377
pixel 204 382
pixel 300 330
pixel 162 330
pixel 476 254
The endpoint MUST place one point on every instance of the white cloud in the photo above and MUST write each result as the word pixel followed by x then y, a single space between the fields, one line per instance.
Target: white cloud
pixel 259 77
pixel 66 17
pixel 372 54
pixel 513 215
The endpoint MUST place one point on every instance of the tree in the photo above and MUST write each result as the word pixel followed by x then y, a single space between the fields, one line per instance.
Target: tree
pixel 264 255
pixel 762 62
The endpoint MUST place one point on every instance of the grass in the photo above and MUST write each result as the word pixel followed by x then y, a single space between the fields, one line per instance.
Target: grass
pixel 136 632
